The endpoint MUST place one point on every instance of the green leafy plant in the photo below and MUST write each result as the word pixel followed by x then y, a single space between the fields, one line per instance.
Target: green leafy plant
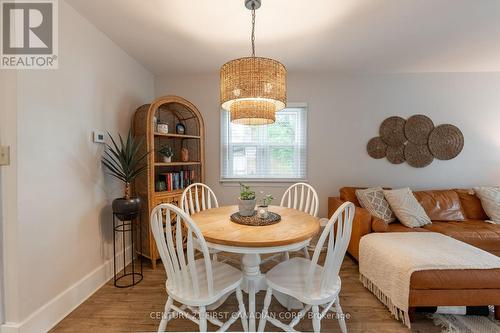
pixel 246 193
pixel 267 199
pixel 166 151
pixel 124 162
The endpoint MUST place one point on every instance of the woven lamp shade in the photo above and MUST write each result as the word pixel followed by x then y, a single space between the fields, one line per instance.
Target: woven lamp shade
pixel 253 89
pixel 250 112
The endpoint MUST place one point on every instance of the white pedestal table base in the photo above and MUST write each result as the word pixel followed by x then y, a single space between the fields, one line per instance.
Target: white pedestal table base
pixel 254 281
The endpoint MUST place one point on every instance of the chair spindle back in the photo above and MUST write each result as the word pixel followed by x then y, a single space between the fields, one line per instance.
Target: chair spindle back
pixel 181 268
pixel 338 230
pixel 301 196
pixel 191 202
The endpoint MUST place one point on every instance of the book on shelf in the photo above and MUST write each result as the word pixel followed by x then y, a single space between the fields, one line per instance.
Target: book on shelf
pixel 178 180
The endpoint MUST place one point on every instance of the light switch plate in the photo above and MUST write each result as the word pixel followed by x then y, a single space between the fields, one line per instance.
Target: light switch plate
pixel 4 155
pixel 98 137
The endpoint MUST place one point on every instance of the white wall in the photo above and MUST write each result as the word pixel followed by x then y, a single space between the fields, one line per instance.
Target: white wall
pixel 64 220
pixel 346 111
pixel 8 192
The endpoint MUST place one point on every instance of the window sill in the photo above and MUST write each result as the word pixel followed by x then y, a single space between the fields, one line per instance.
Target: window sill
pixel 276 181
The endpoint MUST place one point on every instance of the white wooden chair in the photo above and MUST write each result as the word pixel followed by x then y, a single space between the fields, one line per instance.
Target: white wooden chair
pixel 303 197
pixel 310 283
pixel 196 284
pixel 192 203
pixel 196 198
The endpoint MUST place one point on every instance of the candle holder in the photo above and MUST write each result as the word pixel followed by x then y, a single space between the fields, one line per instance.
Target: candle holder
pixel 262 212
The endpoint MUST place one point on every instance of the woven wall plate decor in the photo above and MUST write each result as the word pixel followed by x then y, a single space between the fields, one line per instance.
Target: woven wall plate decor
pixel 418 128
pixel 446 142
pixel 416 141
pixel 392 131
pixel 376 147
pixel 395 154
pixel 418 156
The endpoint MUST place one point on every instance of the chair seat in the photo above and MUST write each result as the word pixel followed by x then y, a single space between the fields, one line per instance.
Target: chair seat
pixel 289 277
pixel 225 279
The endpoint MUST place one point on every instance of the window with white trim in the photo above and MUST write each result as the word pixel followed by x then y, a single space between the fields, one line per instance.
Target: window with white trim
pixel 276 152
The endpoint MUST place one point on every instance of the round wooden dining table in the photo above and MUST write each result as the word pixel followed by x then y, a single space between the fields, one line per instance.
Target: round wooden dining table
pixel 292 233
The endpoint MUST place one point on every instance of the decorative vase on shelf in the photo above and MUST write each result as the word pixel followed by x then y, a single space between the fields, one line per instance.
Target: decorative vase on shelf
pixel 167 159
pixel 184 155
pixel 162 128
pixel 180 129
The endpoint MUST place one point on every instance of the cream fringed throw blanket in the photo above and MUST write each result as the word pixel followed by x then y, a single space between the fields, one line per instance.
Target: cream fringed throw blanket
pixel 387 260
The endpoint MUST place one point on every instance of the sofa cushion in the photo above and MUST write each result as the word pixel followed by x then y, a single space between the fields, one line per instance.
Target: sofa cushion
pixel 379 225
pixel 398 227
pixel 373 199
pixel 406 208
pixel 456 279
pixel 348 193
pixel 477 233
pixel 471 205
pixel 441 205
pixel 490 200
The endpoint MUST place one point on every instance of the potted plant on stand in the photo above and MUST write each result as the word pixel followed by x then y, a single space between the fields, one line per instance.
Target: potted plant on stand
pixel 246 202
pixel 125 163
pixel 167 153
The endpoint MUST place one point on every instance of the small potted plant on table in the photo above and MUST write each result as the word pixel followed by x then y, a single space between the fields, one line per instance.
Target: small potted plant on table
pixel 246 203
pixel 167 153
pixel 125 163
pixel 262 210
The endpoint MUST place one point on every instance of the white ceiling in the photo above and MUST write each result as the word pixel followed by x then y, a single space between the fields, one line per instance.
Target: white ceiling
pixel 198 36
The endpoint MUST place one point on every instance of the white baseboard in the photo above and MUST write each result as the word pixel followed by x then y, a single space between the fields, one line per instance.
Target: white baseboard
pixel 52 312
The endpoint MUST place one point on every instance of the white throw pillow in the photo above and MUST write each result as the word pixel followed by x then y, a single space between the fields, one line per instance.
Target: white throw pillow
pixel 407 209
pixel 374 201
pixel 490 199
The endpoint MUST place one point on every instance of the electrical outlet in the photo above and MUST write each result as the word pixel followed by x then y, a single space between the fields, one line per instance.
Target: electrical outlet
pixel 4 155
pixel 98 137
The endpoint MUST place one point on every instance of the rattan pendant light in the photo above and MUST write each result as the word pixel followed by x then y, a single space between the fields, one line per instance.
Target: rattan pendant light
pixel 253 88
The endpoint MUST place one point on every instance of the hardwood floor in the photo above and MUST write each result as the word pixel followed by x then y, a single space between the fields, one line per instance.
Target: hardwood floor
pixel 135 309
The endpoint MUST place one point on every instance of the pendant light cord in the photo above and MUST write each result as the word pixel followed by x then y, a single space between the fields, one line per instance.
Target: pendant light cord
pixel 253 30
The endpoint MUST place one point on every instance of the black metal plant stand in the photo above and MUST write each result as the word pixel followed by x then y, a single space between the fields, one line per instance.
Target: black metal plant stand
pixel 123 227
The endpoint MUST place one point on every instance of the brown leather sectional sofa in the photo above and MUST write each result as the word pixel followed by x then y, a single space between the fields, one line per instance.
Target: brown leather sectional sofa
pixel 456 213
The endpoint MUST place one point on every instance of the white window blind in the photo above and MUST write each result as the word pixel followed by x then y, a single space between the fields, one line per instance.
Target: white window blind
pixel 270 152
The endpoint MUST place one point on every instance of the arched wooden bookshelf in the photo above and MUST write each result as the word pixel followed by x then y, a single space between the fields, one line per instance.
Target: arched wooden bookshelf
pixel 172 110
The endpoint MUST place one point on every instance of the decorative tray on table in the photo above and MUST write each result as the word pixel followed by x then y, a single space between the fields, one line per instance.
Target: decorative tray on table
pixel 254 220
